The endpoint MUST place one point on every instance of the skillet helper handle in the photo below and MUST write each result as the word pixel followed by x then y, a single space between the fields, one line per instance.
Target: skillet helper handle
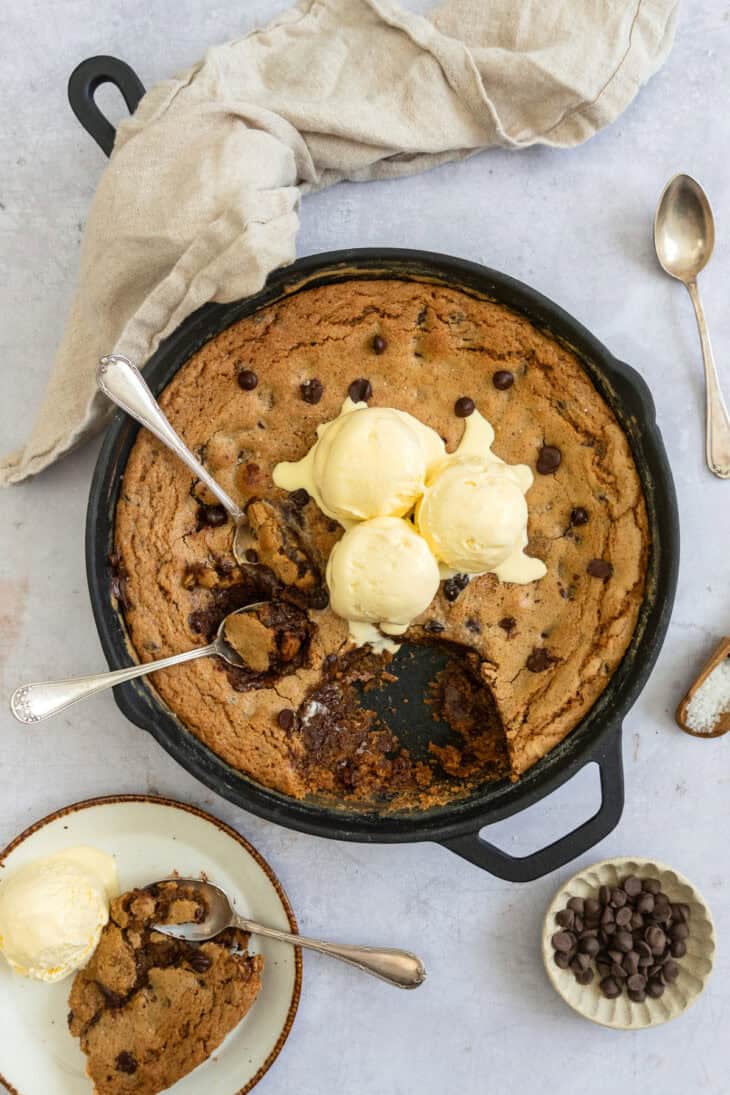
pixel 473 847
pixel 82 85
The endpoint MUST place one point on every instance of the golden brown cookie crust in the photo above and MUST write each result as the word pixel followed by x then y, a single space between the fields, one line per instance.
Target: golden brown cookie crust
pixel 572 627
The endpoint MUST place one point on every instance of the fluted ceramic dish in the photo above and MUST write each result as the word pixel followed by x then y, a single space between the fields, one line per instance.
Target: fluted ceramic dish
pixel 695 967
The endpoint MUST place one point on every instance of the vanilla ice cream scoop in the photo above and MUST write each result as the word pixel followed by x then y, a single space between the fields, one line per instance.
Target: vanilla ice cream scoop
pixel 368 462
pixel 473 512
pixel 52 911
pixel 472 515
pixel 381 573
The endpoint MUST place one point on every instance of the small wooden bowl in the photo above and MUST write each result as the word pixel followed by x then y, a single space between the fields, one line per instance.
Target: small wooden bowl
pixel 721 651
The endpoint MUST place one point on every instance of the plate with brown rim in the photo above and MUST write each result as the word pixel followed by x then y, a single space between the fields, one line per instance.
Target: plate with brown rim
pixel 151 838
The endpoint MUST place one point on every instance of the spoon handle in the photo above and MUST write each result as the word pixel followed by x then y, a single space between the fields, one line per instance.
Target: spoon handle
pixel 399 968
pixel 120 380
pixel 33 702
pixel 718 419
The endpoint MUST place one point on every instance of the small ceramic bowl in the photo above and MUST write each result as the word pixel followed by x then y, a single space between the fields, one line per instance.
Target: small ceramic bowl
pixel 695 967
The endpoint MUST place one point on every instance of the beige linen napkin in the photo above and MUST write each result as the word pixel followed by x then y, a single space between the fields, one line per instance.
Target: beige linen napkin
pixel 200 198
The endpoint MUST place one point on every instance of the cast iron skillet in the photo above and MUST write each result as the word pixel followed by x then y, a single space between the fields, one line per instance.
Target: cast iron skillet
pixel 597 738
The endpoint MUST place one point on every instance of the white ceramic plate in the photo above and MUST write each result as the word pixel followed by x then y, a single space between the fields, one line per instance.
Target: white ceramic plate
pixel 150 838
pixel 695 967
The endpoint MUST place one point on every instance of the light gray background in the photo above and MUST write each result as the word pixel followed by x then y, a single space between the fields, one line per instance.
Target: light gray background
pixel 576 225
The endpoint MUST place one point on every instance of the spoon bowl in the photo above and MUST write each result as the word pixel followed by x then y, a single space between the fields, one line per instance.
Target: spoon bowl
pixel 684 229
pixel 400 968
pixel 122 382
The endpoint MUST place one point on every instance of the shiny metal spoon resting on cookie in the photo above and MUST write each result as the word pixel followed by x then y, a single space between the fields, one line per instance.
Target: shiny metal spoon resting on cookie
pixel 400 968
pixel 119 379
pixel 34 702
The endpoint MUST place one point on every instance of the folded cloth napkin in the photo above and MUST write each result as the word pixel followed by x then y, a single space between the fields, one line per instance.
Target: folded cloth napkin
pixel 199 200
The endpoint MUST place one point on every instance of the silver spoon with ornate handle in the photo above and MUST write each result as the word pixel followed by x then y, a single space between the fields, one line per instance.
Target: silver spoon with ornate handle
pixel 684 238
pixel 34 702
pixel 120 379
pixel 399 968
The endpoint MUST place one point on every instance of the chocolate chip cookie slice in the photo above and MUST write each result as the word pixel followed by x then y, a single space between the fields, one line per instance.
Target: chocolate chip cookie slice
pixel 148 1009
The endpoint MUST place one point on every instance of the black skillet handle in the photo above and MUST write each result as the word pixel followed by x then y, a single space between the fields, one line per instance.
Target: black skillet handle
pixel 84 81
pixel 526 868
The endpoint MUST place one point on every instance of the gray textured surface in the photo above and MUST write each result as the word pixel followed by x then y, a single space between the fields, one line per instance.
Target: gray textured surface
pixel 576 225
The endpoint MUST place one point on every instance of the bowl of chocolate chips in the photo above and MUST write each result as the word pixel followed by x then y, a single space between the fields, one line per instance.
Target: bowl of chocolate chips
pixel 628 943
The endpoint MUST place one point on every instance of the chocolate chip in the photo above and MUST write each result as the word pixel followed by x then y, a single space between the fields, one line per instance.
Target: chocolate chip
pixel 312 391
pixel 645 903
pixel 247 380
pixel 637 997
pixel 624 916
pixel 503 379
pixel 610 988
pixel 508 624
pixel 599 568
pixel 563 941
pixel 433 627
pixel 329 664
pixel 656 939
pixel 678 948
pixel 562 960
pixel 360 390
pixel 565 918
pixel 644 952
pixel 652 886
pixel 548 459
pixel 670 971
pixel 299 497
pixel 577 905
pixel 286 718
pixel 592 908
pixel 623 941
pixel 319 599
pixel 580 962
pixel 215 516
pixel 379 344
pixel 125 1062
pixel 454 586
pixel 655 989
pixel 539 660
pixel 579 516
pixel 589 946
pixel 618 898
pixel 252 556
pixel 473 625
pixel 199 961
pixel 584 977
pixel 631 962
pixel 679 931
pixel 604 895
pixel 464 407
pixel 632 885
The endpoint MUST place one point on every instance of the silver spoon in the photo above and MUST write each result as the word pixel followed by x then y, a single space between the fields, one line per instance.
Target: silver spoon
pixel 684 238
pixel 33 702
pixel 400 968
pixel 119 379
